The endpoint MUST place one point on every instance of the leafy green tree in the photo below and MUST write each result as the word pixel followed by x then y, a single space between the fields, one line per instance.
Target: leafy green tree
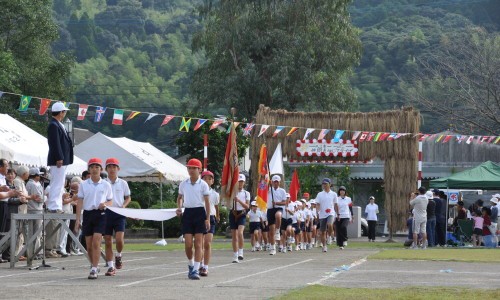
pixel 191 144
pixel 295 55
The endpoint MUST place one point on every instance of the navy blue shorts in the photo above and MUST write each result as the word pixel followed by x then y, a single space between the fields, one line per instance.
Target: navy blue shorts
pixel 308 229
pixel 114 222
pixel 212 225
pixel 271 215
pixel 233 223
pixel 285 223
pixel 193 220
pixel 296 228
pixel 303 226
pixel 254 226
pixel 94 221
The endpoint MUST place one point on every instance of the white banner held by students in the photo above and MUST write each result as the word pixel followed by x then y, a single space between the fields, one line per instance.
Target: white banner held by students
pixel 276 163
pixel 145 214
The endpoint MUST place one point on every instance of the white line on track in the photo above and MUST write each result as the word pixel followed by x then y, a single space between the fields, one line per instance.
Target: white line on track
pixel 334 274
pixel 259 273
pixel 179 273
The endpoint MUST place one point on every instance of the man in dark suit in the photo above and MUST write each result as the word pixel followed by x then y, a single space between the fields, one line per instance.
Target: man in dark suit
pixel 59 157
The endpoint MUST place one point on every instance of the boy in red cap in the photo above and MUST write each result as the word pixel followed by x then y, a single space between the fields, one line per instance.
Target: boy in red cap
pixel 194 197
pixel 115 222
pixel 94 195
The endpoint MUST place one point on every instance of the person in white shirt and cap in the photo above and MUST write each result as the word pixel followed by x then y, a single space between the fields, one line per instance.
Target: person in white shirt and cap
pixel 237 218
pixel 494 218
pixel 276 202
pixel 327 209
pixel 256 220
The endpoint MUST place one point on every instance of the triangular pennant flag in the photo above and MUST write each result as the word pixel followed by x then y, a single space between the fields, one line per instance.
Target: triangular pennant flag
pixel 470 139
pixel 355 135
pixel 484 139
pixel 216 123
pixel 363 136
pixel 460 138
pixel 400 135
pixel 439 138
pixel 117 117
pixel 308 133
pixel 292 131
pixel 44 106
pixel 99 113
pixel 166 120
pixel 263 129
pixel 338 136
pixel 24 103
pixel 383 136
pixel 490 139
pixel 199 124
pixel 278 130
pixel 132 115
pixel 370 136
pixel 67 104
pixel 447 138
pixel 497 140
pixel 248 129
pixel 392 136
pixel 82 111
pixel 323 133
pixel 423 137
pixel 151 115
pixel 377 136
pixel 185 124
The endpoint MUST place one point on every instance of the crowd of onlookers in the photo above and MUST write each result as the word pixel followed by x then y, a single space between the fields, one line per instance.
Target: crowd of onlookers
pixel 25 190
pixel 432 223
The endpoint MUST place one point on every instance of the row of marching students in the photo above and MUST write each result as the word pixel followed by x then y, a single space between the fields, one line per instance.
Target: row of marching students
pixel 287 225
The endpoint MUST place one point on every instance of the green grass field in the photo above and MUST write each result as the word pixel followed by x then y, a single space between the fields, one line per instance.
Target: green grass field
pixel 429 293
pixel 461 255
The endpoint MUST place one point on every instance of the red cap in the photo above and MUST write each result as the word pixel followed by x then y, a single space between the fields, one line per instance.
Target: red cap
pixel 95 161
pixel 112 161
pixel 306 195
pixel 194 163
pixel 205 173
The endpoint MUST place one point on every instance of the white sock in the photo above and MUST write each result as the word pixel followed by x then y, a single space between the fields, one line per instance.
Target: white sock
pixel 111 264
pixel 191 262
pixel 240 252
pixel 235 254
pixel 118 254
pixel 196 265
pixel 206 267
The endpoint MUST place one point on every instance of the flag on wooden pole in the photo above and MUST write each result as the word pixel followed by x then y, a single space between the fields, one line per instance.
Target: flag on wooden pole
pixel 263 184
pixel 294 186
pixel 230 171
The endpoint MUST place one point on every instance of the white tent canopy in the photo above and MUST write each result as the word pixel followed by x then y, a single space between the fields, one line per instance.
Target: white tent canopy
pixel 24 146
pixel 138 161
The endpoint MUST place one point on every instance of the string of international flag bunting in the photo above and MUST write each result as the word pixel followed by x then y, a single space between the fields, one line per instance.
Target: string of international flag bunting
pixel 361 136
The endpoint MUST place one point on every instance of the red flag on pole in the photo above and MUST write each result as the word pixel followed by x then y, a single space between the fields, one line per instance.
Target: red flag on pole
pixel 44 106
pixel 294 186
pixel 263 186
pixel 230 171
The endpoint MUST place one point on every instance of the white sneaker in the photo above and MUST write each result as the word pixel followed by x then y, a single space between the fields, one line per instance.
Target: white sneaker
pixel 235 259
pixel 268 247
pixel 273 251
pixel 257 246
pixel 297 248
pixel 253 249
pixel 329 240
pixel 345 244
pixel 325 249
pixel 341 248
pixel 284 250
pixel 289 248
pixel 293 240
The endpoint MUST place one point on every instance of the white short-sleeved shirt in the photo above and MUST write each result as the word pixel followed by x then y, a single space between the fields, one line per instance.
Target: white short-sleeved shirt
pixel 313 213
pixel 193 193
pixel 290 207
pixel 94 193
pixel 307 213
pixel 254 216
pixel 279 195
pixel 371 210
pixel 326 202
pixel 343 203
pixel 214 200
pixel 242 196
pixel 35 188
pixel 120 191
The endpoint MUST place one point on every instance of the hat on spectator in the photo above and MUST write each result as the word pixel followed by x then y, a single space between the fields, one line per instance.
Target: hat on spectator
pixel 371 197
pixel 35 171
pixel 494 200
pixel 313 201
pixel 59 106
pixel 342 188
pixel 95 161
pixel 429 195
pixel 112 161
pixel 306 195
pixel 435 191
pixel 242 177
pixel 497 196
pixel 326 180
pixel 276 178
pixel 194 163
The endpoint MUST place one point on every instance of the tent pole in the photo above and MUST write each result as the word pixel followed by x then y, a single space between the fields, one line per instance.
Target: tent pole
pixel 161 242
pixel 447 213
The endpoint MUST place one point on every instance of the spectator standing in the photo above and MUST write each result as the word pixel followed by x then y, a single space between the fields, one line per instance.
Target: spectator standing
pixel 326 207
pixel 440 238
pixel 494 220
pixel 35 206
pixel 431 220
pixel 419 204
pixel 344 217
pixel 371 212
pixel 6 193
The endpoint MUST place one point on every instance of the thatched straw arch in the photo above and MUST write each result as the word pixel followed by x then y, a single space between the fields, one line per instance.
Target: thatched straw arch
pixel 400 156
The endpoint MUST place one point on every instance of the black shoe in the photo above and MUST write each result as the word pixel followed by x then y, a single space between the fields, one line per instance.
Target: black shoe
pixel 240 257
